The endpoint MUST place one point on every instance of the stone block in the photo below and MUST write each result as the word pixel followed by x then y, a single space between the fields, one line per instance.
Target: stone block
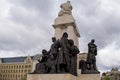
pixel 88 77
pixel 78 72
pixel 50 77
pixel 64 19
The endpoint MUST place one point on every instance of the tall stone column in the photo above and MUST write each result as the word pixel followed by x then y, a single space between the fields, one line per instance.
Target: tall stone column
pixel 72 34
pixel 66 23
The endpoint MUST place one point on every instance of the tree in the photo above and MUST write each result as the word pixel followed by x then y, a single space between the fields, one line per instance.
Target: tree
pixel 24 78
pixel 106 78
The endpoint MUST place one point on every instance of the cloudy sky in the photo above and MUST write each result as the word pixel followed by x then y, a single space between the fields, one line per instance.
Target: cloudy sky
pixel 26 27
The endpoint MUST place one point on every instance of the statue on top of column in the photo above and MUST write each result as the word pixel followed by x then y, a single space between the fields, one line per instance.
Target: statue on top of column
pixel 66 8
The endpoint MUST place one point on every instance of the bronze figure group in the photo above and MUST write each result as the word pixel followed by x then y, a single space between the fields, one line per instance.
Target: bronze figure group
pixel 61 58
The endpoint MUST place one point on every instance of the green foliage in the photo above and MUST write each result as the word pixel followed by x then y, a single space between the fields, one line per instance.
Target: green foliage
pixel 106 78
pixel 24 78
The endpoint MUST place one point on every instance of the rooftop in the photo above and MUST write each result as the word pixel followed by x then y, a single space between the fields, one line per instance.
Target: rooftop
pixel 14 59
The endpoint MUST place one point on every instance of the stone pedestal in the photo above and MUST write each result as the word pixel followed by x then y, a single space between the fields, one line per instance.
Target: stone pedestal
pixel 89 77
pixel 66 23
pixel 50 77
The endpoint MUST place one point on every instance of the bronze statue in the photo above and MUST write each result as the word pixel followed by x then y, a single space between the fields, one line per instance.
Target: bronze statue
pixel 53 55
pixel 89 66
pixel 61 58
pixel 92 52
pixel 73 57
pixel 83 66
pixel 41 67
pixel 54 48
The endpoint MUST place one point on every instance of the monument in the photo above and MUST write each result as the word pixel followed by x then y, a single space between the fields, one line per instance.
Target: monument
pixel 65 22
pixel 60 61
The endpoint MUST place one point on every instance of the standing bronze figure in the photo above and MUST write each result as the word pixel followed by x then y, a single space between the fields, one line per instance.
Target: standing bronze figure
pixel 73 57
pixel 53 55
pixel 92 52
pixel 63 55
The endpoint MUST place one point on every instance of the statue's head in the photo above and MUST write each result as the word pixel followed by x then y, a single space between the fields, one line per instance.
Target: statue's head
pixel 92 40
pixel 53 39
pixel 65 34
pixel 71 42
pixel 44 51
pixel 68 1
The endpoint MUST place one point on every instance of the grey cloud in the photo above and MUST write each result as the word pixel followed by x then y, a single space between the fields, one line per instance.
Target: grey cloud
pixel 105 68
pixel 43 7
pixel 89 18
pixel 90 7
pixel 24 39
pixel 34 18
pixel 93 24
pixel 32 13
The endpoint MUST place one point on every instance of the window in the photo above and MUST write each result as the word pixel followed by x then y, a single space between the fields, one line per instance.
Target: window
pixel 22 71
pixel 29 70
pixel 19 66
pixel 25 66
pixel 29 66
pixel 25 70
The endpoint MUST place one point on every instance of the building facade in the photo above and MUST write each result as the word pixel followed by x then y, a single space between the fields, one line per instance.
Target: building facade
pixel 16 68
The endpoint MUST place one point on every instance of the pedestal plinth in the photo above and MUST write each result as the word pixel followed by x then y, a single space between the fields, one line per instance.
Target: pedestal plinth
pixel 50 77
pixel 66 23
pixel 89 77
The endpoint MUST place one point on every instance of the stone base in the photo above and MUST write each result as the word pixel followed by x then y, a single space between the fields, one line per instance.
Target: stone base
pixel 64 19
pixel 50 77
pixel 89 77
